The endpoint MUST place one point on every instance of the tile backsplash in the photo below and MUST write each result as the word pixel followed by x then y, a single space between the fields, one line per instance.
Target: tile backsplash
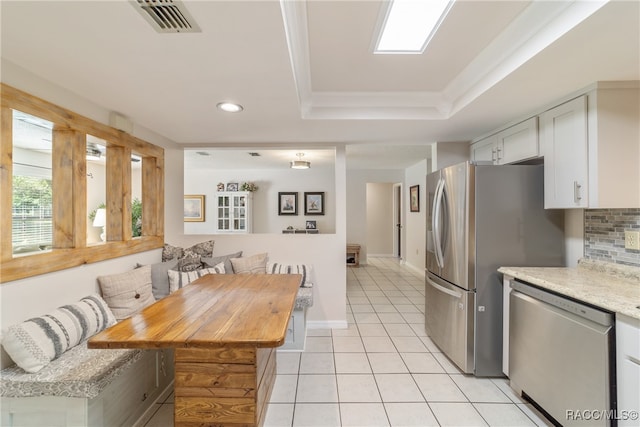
pixel 604 235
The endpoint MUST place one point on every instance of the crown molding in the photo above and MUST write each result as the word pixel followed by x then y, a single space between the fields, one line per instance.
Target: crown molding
pixel 536 28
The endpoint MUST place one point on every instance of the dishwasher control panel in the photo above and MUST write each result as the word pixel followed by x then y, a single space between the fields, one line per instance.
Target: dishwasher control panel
pixel 599 316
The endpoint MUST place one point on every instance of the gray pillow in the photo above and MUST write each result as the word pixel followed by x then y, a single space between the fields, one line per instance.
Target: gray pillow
pixel 160 278
pixel 228 268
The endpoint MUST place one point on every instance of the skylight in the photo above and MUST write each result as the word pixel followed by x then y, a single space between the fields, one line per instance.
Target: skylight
pixel 409 25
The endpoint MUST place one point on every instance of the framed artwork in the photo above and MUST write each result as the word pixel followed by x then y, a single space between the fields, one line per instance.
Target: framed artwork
pixel 414 198
pixel 310 225
pixel 287 203
pixel 194 208
pixel 314 203
pixel 232 186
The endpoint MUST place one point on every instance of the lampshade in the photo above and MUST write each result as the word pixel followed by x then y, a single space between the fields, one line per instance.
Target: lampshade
pixel 100 219
pixel 300 164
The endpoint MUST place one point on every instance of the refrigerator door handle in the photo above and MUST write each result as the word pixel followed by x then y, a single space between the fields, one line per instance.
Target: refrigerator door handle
pixel 441 288
pixel 435 217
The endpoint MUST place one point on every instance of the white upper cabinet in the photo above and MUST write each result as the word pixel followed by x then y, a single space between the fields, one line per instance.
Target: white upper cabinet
pixel 514 144
pixel 591 148
pixel 564 135
pixel 518 143
pixel 233 212
pixel 485 149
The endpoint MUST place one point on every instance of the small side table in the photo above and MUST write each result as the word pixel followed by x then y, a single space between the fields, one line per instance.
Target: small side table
pixel 353 255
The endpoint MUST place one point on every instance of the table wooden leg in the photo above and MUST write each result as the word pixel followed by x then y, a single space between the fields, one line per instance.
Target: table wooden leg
pixel 223 387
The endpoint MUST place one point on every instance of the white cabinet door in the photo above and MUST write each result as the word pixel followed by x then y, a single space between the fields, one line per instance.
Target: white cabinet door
pixel 564 145
pixel 233 212
pixel 485 150
pixel 518 143
pixel 514 144
pixel 628 369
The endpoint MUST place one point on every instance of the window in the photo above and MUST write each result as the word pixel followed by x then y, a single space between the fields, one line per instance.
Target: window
pixel 51 186
pixel 32 189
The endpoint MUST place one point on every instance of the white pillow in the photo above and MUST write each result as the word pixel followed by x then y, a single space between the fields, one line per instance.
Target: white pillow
pixel 304 269
pixel 34 343
pixel 180 279
pixel 129 292
pixel 251 264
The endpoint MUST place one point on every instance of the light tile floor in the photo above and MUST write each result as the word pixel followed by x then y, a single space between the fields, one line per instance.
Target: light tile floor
pixel 383 370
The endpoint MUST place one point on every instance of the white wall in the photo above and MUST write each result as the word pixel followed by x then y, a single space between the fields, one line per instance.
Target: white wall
pixel 415 222
pixel 356 203
pixel 380 226
pixel 265 199
pixel 573 236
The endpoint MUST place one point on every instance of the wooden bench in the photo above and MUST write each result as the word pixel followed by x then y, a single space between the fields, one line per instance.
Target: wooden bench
pixel 353 255
pixel 297 327
pixel 86 387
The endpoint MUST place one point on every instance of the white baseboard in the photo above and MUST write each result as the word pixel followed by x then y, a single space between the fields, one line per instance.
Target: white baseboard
pixel 419 271
pixel 327 324
pixel 382 255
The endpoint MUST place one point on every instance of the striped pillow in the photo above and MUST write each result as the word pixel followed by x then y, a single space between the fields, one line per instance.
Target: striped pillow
pixel 180 279
pixel 305 270
pixel 34 343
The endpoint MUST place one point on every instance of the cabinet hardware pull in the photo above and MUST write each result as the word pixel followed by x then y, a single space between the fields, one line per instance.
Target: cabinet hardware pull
pixel 498 157
pixel 576 192
pixel 493 155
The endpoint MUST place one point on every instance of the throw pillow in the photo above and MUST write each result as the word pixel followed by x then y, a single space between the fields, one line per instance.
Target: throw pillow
pixel 226 259
pixel 159 278
pixel 252 264
pixel 304 269
pixel 34 343
pixel 189 259
pixel 129 292
pixel 180 279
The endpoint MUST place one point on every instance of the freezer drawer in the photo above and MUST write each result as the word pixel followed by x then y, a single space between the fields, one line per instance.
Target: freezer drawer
pixel 449 320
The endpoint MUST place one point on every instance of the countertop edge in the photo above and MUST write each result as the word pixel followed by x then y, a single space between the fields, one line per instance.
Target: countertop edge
pixel 563 281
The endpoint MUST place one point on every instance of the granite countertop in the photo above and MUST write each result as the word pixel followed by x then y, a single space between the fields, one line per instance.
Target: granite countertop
pixel 613 287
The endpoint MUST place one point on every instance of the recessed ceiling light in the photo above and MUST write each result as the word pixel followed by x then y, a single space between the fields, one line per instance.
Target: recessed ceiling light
pixel 230 107
pixel 409 25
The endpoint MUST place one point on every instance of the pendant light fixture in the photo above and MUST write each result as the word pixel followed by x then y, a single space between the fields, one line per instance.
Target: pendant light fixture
pixel 300 164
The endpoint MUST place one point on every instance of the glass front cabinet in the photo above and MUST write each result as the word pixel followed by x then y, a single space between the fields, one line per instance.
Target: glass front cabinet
pixel 233 210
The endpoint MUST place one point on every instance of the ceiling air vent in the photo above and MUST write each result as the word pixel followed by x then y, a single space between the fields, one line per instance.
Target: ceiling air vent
pixel 167 16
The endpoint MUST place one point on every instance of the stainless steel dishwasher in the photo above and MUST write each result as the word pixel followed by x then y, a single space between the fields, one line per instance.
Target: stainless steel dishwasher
pixel 562 356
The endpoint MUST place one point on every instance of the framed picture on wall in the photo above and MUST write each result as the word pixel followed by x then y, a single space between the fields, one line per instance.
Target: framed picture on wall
pixel 194 208
pixel 414 198
pixel 232 186
pixel 310 225
pixel 314 203
pixel 287 203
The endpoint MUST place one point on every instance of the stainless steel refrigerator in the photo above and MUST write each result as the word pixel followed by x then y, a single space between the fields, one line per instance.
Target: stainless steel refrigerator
pixel 481 217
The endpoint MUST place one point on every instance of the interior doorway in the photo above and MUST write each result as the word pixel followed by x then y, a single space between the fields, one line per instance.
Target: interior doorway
pixel 397 221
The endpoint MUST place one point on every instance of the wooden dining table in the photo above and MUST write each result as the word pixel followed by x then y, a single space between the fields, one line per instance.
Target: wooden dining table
pixel 224 329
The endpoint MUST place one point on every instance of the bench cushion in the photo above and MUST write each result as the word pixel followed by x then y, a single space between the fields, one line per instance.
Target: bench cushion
pixel 304 298
pixel 80 372
pixel 32 344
